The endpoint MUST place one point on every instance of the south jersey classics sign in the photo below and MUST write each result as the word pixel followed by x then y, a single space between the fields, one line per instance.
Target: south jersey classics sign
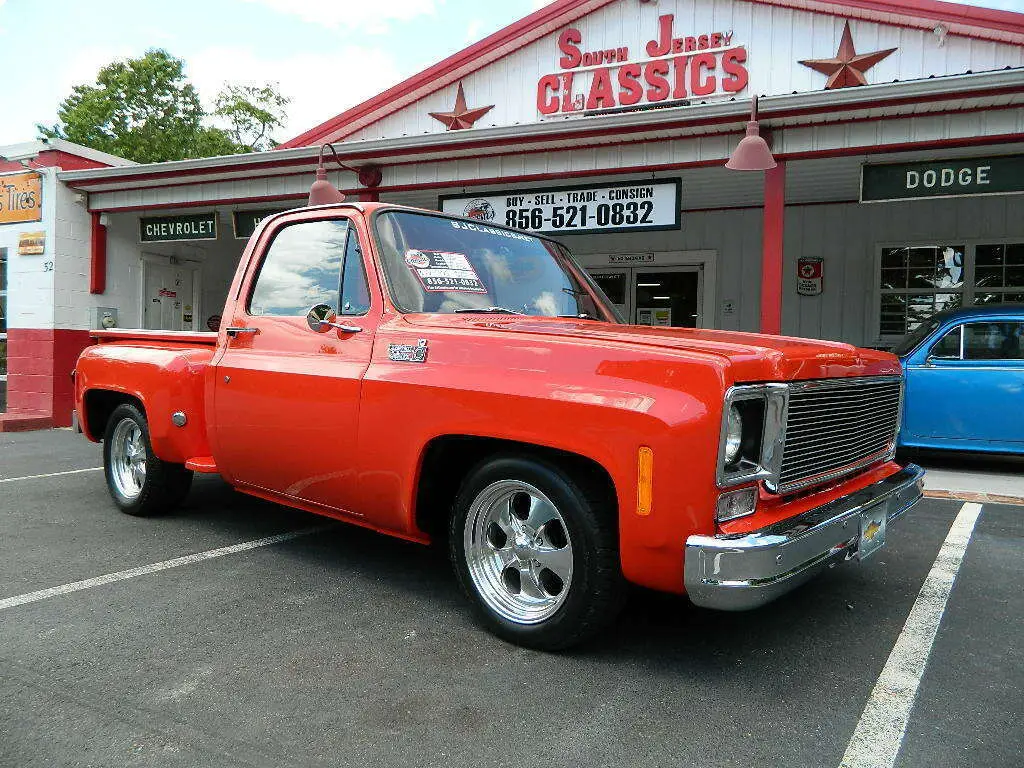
pixel 632 206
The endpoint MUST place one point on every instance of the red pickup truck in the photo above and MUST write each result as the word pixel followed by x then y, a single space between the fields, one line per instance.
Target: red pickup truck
pixel 431 377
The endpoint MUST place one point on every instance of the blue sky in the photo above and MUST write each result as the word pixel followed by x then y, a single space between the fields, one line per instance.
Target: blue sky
pixel 355 48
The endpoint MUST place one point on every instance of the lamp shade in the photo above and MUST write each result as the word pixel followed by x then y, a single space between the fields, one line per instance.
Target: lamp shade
pixel 752 153
pixel 322 192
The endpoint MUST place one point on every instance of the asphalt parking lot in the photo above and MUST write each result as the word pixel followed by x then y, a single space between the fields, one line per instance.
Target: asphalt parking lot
pixel 342 647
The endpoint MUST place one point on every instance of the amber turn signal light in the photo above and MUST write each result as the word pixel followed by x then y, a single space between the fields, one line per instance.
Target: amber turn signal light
pixel 645 481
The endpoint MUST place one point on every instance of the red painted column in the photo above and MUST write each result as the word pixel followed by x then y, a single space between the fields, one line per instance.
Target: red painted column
pixel 771 248
pixel 369 197
pixel 98 260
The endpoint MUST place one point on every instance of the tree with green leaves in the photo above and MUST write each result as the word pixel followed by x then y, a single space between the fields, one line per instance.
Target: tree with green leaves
pixel 251 113
pixel 146 110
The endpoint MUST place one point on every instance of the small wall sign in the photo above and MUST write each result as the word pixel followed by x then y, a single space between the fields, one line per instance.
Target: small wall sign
pixel 244 223
pixel 631 258
pixel 998 175
pixel 810 276
pixel 193 226
pixel 31 243
pixel 628 206
pixel 21 197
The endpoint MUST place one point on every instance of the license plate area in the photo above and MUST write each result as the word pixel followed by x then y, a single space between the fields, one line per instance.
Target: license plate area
pixel 872 530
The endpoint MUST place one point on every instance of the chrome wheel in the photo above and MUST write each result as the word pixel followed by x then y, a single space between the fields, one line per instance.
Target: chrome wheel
pixel 518 551
pixel 128 459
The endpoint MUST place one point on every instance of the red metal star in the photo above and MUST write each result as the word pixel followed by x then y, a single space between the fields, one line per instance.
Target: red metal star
pixel 848 66
pixel 461 117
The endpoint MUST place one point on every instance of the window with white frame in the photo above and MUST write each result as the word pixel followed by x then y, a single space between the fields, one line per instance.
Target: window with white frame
pixel 916 281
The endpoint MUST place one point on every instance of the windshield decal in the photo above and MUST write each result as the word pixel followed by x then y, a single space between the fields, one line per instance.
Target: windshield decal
pixel 444 272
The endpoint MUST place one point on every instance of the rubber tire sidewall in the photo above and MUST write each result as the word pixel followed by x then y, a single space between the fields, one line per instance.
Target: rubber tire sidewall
pixel 596 590
pixel 166 483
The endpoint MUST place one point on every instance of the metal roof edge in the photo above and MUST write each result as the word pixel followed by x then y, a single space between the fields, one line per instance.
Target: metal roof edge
pixel 734 108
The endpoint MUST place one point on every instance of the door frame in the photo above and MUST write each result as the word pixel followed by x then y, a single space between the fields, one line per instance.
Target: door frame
pixel 705 259
pixel 195 267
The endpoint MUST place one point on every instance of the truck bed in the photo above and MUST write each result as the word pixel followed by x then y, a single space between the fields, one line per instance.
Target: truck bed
pixel 206 338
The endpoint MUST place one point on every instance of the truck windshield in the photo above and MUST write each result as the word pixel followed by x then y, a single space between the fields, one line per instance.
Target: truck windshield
pixel 436 264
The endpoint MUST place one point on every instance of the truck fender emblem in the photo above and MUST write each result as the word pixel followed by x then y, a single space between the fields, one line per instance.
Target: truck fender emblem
pixel 408 353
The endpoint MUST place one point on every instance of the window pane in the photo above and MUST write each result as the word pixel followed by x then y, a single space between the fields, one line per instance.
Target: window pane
pixel 894 258
pixel 993 341
pixel 302 268
pixel 355 293
pixel 948 346
pixel 894 278
pixel 989 255
pixel 988 277
pixel 1015 276
pixel 988 298
pixel 1015 254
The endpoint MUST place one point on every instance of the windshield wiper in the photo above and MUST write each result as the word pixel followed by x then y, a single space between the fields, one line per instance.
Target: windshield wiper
pixel 489 310
pixel 580 316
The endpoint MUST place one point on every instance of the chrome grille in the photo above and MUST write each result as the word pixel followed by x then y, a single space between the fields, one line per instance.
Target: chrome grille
pixel 835 426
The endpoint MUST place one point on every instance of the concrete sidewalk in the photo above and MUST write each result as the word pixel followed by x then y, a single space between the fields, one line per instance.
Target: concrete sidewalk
pixel 972 476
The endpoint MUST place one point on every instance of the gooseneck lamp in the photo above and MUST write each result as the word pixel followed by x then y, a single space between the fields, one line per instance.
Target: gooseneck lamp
pixel 752 153
pixel 322 192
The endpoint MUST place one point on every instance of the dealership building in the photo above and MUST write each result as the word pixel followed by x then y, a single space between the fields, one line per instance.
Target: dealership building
pixel 896 128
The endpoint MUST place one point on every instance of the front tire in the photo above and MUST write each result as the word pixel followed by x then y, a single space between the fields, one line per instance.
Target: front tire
pixel 536 551
pixel 139 483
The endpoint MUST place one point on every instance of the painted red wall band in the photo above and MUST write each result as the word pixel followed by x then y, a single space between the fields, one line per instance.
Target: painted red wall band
pixel 98 255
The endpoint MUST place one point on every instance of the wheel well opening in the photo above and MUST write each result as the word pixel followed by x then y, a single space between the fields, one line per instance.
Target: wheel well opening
pixel 100 403
pixel 449 458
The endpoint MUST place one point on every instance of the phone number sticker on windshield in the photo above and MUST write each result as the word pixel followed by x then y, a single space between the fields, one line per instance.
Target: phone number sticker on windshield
pixel 634 206
pixel 444 272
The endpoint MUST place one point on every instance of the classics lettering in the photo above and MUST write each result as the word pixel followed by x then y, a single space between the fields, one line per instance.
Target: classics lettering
pixel 678 67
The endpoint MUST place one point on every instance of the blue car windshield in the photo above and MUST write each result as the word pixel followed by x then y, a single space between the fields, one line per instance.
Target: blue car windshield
pixel 449 266
pixel 915 337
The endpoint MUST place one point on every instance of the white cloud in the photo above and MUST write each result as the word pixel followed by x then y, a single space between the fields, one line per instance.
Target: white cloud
pixel 315 82
pixel 367 17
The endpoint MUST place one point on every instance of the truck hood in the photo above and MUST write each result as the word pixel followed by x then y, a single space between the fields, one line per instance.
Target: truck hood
pixel 747 356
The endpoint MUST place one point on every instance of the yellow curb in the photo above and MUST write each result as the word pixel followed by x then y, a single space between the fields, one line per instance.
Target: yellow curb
pixel 981 498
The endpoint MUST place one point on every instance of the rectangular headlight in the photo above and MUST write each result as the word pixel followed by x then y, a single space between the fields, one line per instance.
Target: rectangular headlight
pixel 762 410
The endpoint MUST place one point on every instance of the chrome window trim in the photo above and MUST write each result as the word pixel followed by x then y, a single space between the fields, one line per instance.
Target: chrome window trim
pixel 853 467
pixel 773 433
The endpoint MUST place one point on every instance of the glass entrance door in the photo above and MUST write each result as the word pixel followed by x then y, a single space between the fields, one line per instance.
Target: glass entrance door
pixel 667 296
pixel 615 282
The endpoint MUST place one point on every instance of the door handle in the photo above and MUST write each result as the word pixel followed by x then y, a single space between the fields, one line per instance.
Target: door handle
pixel 347 328
pixel 234 332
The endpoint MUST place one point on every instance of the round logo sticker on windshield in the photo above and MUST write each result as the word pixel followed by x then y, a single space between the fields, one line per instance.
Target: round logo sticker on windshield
pixel 417 259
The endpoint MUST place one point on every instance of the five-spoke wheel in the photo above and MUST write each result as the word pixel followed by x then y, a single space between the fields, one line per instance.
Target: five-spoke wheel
pixel 138 480
pixel 535 548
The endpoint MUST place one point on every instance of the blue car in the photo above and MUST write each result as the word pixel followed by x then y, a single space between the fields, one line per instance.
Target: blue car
pixel 965 380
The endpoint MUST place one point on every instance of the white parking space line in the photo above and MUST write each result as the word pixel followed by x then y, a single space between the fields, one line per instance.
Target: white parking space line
pixel 879 735
pixel 50 474
pixel 131 573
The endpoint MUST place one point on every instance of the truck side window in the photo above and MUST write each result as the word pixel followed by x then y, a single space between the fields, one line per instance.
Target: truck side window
pixel 355 292
pixel 302 267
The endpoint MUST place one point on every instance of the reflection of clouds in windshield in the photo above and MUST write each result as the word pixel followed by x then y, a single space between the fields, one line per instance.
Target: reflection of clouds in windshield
pixel 302 268
pixel 546 304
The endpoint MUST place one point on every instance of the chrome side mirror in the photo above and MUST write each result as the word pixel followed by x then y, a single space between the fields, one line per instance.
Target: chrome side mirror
pixel 321 317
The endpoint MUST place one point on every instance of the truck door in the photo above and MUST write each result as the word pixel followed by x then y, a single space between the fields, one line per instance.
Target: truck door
pixel 286 399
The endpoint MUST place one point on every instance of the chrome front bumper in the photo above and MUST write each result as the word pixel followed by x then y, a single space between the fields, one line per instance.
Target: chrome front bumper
pixel 735 573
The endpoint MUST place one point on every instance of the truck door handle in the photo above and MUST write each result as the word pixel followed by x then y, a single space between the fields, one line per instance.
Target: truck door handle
pixel 235 331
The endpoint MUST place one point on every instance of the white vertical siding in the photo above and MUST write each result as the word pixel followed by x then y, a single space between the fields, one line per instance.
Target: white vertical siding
pixel 776 40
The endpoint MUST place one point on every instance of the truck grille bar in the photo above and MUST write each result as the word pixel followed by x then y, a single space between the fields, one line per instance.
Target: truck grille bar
pixel 836 426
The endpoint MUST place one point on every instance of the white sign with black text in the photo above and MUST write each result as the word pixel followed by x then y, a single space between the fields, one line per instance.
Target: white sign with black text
pixel 633 206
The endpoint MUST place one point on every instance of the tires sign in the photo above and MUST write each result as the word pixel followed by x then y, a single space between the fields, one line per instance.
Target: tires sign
pixel 631 206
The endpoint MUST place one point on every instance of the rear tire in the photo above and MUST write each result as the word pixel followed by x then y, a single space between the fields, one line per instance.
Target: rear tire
pixel 139 483
pixel 536 551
